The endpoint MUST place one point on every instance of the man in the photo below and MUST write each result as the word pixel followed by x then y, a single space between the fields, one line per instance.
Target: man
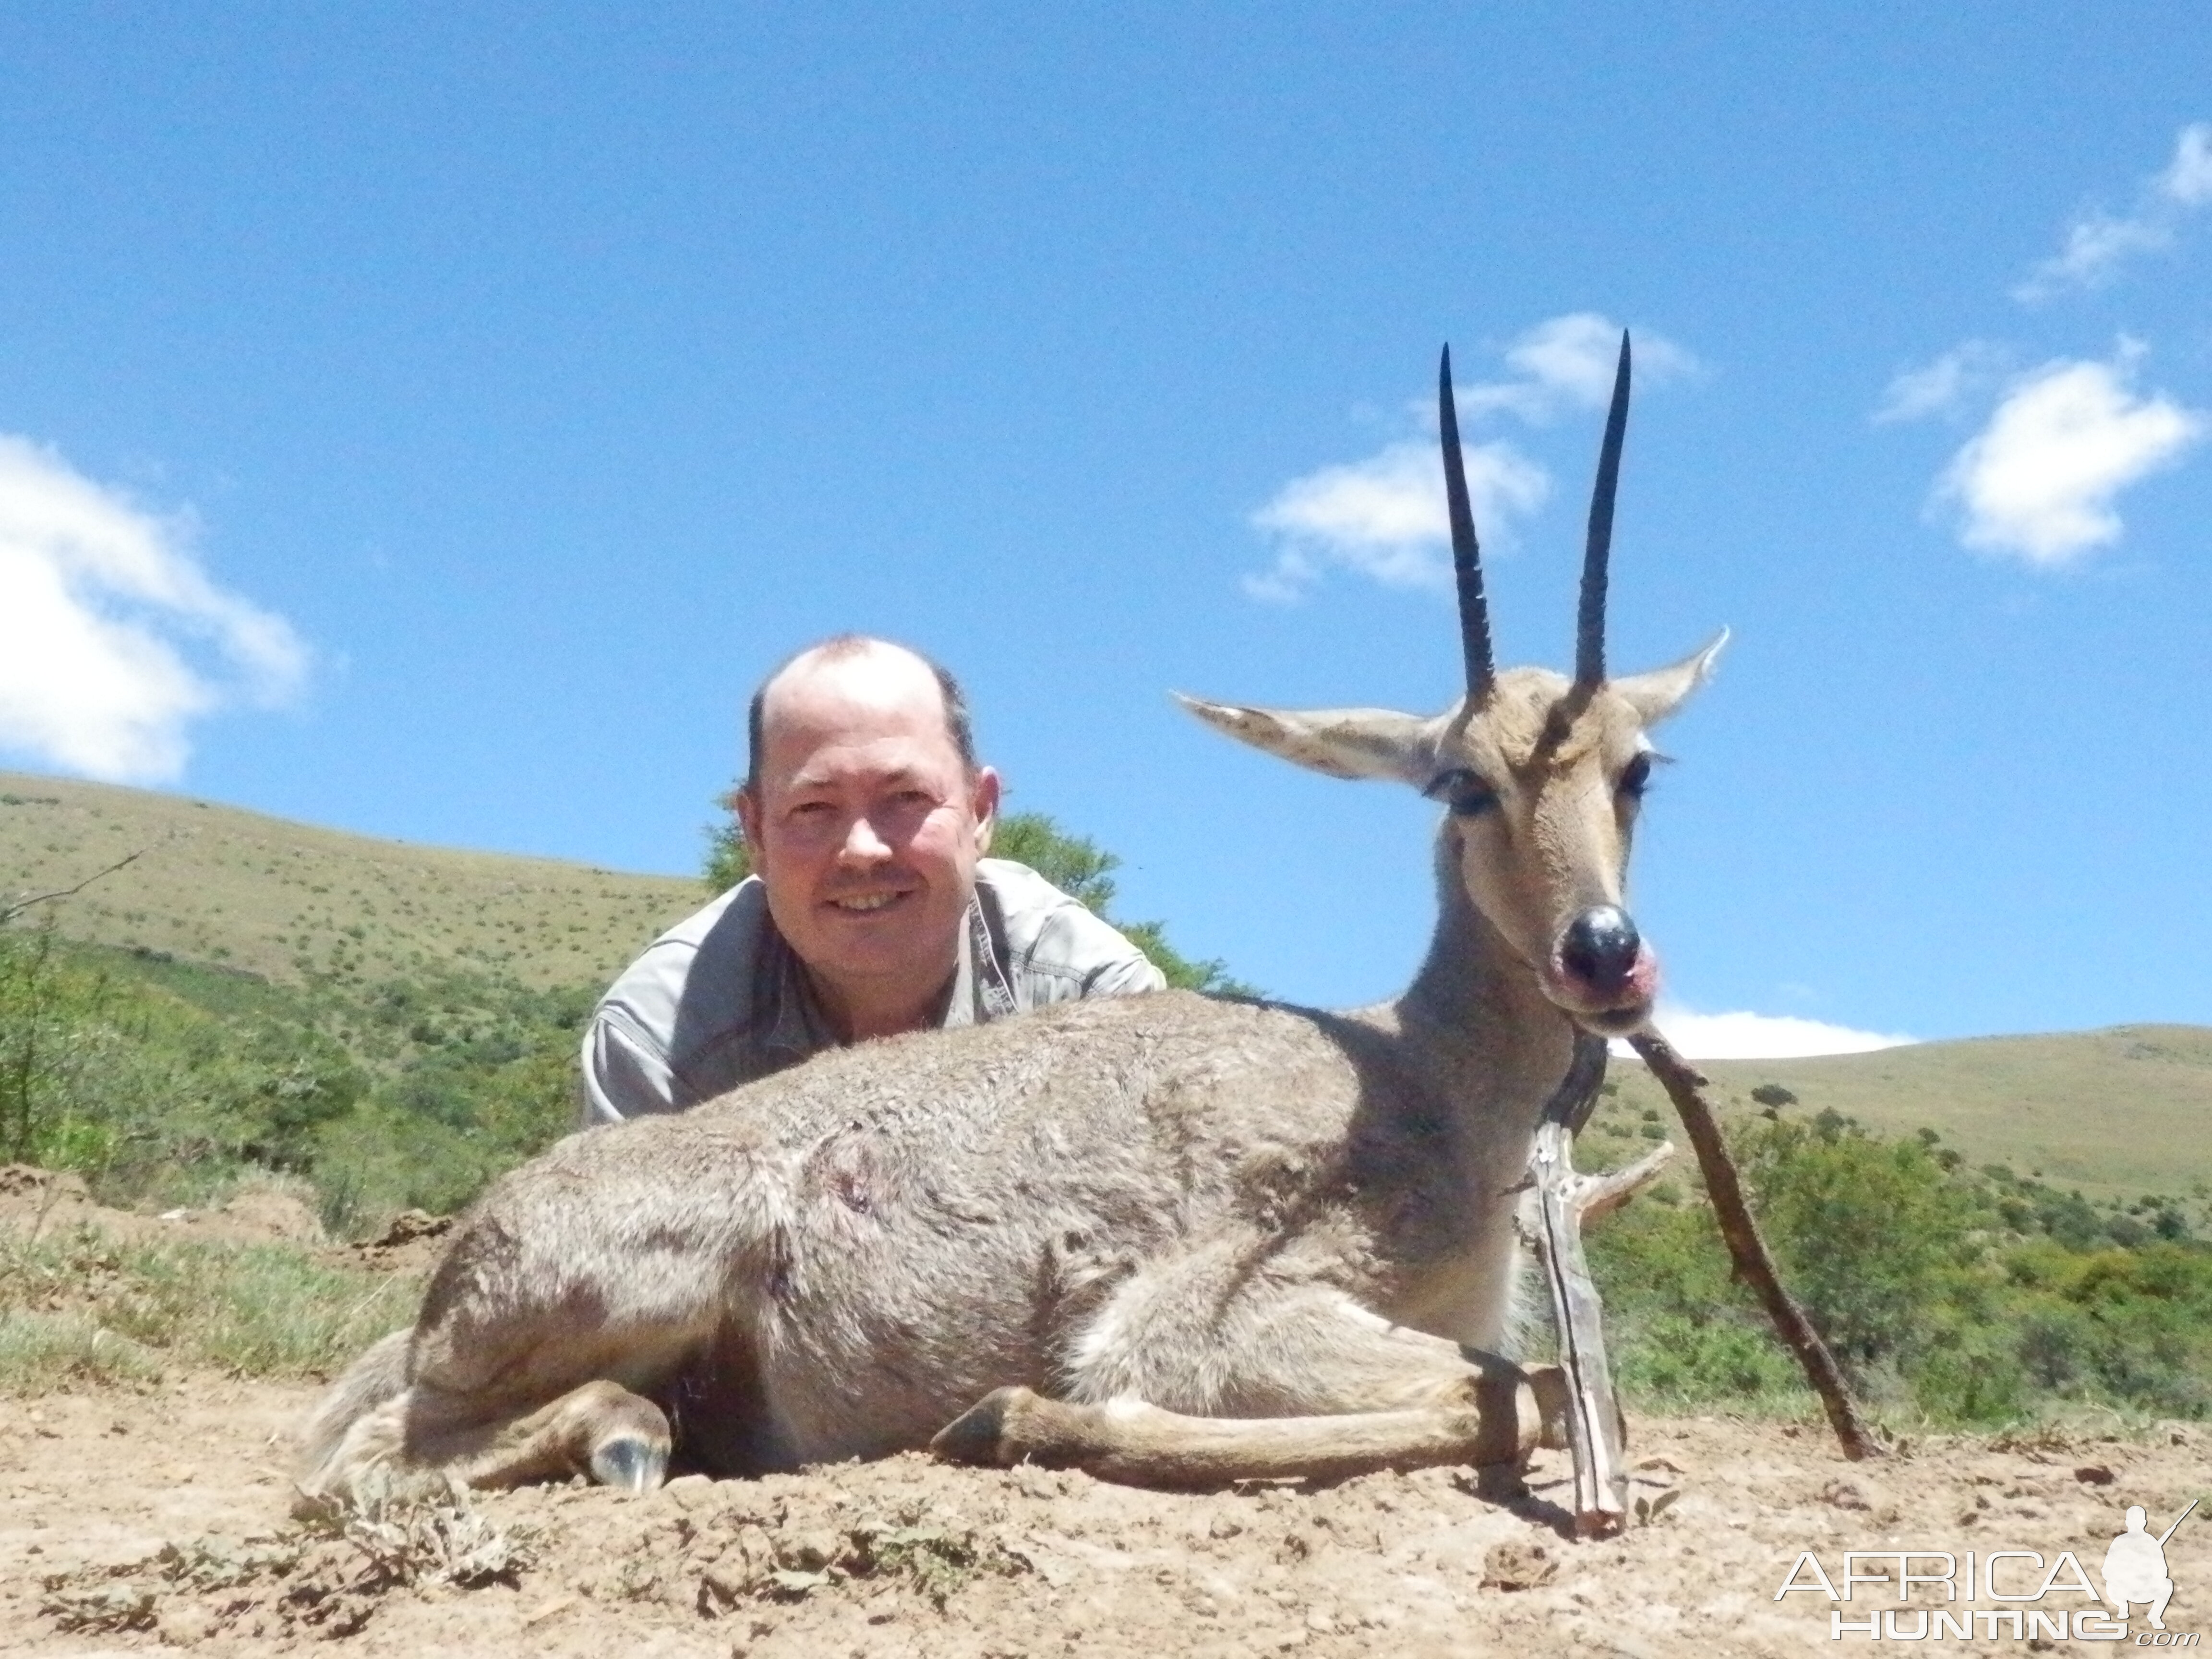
pixel 871 909
pixel 2135 1568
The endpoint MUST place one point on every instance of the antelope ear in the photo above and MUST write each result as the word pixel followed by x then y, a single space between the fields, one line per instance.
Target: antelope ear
pixel 1658 693
pixel 1345 743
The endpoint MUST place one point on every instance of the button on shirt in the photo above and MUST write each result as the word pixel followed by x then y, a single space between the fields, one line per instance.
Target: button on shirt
pixel 720 999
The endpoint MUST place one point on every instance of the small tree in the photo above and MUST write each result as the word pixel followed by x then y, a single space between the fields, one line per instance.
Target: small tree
pixel 729 860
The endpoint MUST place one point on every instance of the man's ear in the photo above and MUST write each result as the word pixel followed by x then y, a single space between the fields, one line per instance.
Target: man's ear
pixel 749 820
pixel 983 801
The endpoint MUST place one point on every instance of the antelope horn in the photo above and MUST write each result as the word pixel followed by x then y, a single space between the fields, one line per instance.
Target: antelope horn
pixel 1589 632
pixel 1466 554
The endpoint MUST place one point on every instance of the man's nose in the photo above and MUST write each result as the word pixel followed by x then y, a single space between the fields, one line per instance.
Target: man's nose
pixel 862 844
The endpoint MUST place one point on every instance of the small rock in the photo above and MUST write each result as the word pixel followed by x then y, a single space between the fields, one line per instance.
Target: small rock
pixel 2094 1475
pixel 1517 1566
pixel 185 1625
pixel 810 1552
pixel 1845 1495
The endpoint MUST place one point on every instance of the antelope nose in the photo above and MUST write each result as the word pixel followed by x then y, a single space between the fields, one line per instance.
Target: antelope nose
pixel 1600 948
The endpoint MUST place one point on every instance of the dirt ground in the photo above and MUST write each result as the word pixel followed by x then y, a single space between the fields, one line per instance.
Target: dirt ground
pixel 133 1519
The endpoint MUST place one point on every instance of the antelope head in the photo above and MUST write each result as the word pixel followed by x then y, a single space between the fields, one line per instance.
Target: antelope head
pixel 1540 775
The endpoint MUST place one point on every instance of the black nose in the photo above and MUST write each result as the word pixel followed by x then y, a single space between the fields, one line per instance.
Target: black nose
pixel 1600 948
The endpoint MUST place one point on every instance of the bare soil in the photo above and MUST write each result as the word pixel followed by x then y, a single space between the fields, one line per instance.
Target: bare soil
pixel 132 1519
pixel 38 1203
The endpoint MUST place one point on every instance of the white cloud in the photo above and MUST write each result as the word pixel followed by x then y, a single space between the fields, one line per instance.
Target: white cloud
pixel 1384 517
pixel 112 640
pixel 2098 244
pixel 1943 386
pixel 2038 481
pixel 1764 1036
pixel 1567 362
pixel 2187 181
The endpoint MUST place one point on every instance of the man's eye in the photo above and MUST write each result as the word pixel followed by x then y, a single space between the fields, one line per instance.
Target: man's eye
pixel 1636 777
pixel 1463 791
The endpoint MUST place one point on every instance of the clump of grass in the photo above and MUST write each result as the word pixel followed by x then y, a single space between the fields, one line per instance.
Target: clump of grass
pixel 86 1307
pixel 42 1352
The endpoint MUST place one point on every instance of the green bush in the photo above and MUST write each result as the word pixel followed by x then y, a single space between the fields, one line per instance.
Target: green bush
pixel 1965 1296
pixel 163 1083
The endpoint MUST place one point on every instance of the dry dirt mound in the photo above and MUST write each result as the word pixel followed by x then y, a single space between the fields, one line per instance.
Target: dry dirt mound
pixel 49 1203
pixel 132 1520
pixel 413 1243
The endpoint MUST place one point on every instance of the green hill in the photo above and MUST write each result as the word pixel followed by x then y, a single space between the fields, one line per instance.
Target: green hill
pixel 2116 1112
pixel 290 902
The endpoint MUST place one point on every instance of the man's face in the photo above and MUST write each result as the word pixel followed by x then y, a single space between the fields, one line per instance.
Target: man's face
pixel 866 828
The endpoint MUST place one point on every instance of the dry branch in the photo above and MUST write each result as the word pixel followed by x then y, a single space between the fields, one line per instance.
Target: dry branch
pixel 1683 1084
pixel 9 912
pixel 1558 1204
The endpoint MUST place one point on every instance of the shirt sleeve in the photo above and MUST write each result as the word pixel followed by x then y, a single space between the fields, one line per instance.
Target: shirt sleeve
pixel 623 1076
pixel 1125 976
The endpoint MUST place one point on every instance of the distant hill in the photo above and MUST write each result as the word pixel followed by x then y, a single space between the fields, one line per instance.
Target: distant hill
pixel 2116 1112
pixel 283 900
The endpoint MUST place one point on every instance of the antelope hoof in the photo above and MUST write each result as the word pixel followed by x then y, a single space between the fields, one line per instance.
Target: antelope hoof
pixel 629 1463
pixel 979 1435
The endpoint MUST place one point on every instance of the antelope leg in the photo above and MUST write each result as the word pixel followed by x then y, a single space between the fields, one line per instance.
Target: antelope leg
pixel 425 1441
pixel 1137 1444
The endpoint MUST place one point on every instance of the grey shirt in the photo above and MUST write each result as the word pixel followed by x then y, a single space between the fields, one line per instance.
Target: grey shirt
pixel 719 998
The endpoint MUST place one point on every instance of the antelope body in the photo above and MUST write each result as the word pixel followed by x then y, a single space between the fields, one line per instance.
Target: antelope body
pixel 1171 1239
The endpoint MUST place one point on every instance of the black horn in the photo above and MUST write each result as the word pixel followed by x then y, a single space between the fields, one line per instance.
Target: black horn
pixel 1589 629
pixel 1467 554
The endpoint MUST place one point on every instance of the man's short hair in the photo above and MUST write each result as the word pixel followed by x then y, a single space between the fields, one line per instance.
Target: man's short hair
pixel 957 725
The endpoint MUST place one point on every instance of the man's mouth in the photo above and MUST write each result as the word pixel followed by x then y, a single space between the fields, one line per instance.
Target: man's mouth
pixel 863 903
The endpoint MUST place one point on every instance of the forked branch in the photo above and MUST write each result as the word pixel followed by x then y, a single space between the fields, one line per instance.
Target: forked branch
pixel 9 912
pixel 1555 1207
pixel 1683 1085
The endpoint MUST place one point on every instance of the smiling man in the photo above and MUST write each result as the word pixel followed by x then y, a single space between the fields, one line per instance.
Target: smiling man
pixel 872 909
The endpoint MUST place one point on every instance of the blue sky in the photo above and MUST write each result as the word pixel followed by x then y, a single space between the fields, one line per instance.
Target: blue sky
pixel 431 421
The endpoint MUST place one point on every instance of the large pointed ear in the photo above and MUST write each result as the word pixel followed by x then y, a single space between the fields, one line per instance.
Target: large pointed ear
pixel 1658 693
pixel 1345 743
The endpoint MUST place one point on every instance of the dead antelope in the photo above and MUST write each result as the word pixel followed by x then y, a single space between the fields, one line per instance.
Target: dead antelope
pixel 1168 1239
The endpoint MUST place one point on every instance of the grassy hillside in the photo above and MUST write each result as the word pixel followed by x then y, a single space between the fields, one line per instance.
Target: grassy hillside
pixel 2116 1112
pixel 291 903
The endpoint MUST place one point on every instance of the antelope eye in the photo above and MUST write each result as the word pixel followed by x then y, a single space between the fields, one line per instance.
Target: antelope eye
pixel 1636 777
pixel 1463 791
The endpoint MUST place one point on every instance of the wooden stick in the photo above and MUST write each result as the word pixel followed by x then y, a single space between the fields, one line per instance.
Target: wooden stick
pixel 1683 1084
pixel 1555 1207
pixel 11 911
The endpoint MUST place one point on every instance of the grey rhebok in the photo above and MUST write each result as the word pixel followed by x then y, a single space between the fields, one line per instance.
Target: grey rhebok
pixel 1169 1239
